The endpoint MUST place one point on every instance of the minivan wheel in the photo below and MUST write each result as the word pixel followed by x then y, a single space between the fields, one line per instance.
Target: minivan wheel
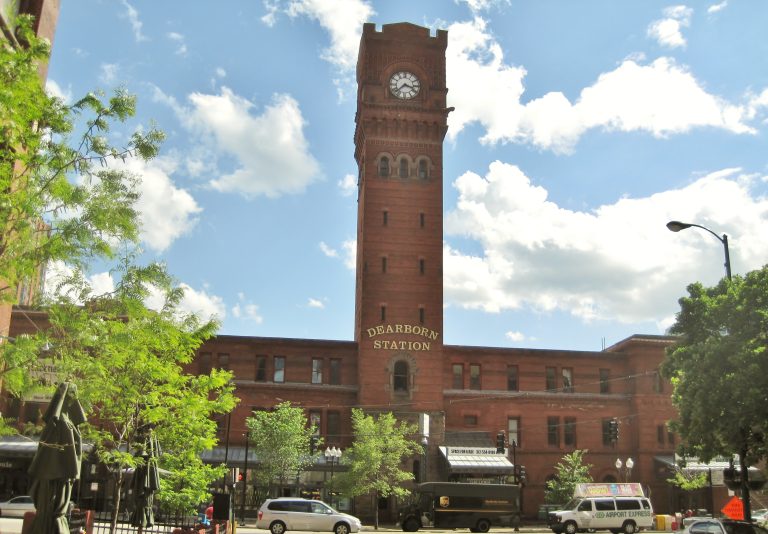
pixel 340 528
pixel 277 527
pixel 571 528
pixel 411 524
pixel 629 527
pixel 483 525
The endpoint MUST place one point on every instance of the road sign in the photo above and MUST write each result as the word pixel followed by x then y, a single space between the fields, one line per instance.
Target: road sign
pixel 734 509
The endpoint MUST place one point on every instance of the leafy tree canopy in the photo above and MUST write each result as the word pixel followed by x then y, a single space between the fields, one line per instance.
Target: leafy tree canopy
pixel 374 461
pixel 62 196
pixel 280 439
pixel 569 472
pixel 719 368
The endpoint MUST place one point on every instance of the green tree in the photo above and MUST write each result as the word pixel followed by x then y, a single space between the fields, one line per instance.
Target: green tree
pixel 128 363
pixel 280 439
pixel 570 471
pixel 719 371
pixel 374 461
pixel 60 197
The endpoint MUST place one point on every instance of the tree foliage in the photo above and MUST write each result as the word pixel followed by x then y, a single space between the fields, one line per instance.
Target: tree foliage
pixel 280 439
pixel 719 368
pixel 61 198
pixel 128 363
pixel 381 443
pixel 570 471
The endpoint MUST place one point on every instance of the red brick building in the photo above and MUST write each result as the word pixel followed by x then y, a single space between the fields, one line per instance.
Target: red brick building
pixel 548 402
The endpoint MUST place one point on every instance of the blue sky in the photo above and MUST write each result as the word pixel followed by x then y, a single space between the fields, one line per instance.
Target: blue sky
pixel 581 128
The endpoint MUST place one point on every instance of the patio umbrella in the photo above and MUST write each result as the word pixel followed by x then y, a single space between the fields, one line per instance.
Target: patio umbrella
pixel 145 483
pixel 56 464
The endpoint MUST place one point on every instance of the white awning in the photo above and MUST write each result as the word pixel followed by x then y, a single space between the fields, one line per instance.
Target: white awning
pixel 476 460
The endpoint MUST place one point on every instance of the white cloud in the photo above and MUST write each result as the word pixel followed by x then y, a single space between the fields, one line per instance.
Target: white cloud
pixel 350 253
pixel 661 98
pixel 166 212
pixel 200 303
pixel 54 89
pixel 601 264
pixel 220 72
pixel 714 8
pixel 109 72
pixel 315 303
pixel 515 336
pixel 246 310
pixel 133 17
pixel 181 45
pixel 667 31
pixel 328 251
pixel 271 153
pixel 342 19
pixel 348 185
pixel 56 272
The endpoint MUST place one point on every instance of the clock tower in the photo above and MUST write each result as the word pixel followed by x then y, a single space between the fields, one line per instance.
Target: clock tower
pixel 401 121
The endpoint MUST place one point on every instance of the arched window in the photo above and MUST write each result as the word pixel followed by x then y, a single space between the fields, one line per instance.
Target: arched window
pixel 403 168
pixel 423 169
pixel 384 166
pixel 400 378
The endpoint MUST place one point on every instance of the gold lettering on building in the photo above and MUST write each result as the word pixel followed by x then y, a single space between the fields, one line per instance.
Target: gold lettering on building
pixel 387 344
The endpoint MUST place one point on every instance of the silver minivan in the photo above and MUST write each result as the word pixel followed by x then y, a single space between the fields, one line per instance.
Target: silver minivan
pixel 294 513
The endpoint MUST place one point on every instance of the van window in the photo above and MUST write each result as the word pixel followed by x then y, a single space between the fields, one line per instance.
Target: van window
pixel 602 505
pixel 585 506
pixel 646 504
pixel 627 504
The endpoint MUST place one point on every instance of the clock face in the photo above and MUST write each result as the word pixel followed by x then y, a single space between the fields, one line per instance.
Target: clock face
pixel 404 85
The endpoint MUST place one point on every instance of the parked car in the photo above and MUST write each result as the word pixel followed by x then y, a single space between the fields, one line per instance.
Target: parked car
pixel 723 526
pixel 294 513
pixel 17 506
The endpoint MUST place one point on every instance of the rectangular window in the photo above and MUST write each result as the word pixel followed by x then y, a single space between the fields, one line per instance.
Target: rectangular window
pixel 205 363
pixel 551 379
pixel 513 430
pixel 553 431
pixel 384 264
pixel 658 383
pixel 421 315
pixel 607 433
pixel 333 430
pixel 605 381
pixel 671 438
pixel 223 361
pixel 512 383
pixel 317 370
pixel 421 266
pixel 279 375
pixel 422 220
pixel 334 377
pixel 567 374
pixel 569 432
pixel 474 376
pixel 470 420
pixel 315 421
pixel 261 368
pixel 458 376
pixel 383 313
pixel 385 217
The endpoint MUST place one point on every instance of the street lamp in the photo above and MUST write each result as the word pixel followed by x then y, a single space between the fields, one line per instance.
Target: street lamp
pixel 628 465
pixel 676 226
pixel 333 455
pixel 425 447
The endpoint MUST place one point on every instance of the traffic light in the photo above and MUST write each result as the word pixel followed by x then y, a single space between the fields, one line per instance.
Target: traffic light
pixel 613 430
pixel 312 444
pixel 521 476
pixel 500 443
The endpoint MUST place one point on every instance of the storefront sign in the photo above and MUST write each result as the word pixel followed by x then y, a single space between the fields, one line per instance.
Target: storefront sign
pixel 402 329
pixel 472 450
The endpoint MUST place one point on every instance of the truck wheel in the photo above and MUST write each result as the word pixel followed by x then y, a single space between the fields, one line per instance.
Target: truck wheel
pixel 411 524
pixel 629 527
pixel 483 525
pixel 571 528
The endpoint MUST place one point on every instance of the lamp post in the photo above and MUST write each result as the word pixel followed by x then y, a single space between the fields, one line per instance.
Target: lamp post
pixel 676 226
pixel 425 445
pixel 333 455
pixel 628 465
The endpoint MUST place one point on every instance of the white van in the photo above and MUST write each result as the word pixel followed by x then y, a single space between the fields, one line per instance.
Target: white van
pixel 614 507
